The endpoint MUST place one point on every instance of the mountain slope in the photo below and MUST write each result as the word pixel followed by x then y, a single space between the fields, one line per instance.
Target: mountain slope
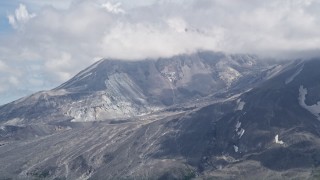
pixel 263 125
pixel 111 89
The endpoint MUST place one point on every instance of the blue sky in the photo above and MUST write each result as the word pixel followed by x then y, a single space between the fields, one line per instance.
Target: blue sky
pixel 6 30
pixel 5 26
pixel 5 8
pixel 49 41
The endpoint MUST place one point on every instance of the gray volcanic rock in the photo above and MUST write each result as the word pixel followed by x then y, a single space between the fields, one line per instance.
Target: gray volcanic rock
pixel 206 116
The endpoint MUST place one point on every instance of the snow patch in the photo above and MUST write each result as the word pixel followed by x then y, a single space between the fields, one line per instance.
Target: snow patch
pixel 236 148
pixel 274 71
pixel 314 109
pixel 241 132
pixel 276 138
pixel 238 125
pixel 240 105
pixel 291 78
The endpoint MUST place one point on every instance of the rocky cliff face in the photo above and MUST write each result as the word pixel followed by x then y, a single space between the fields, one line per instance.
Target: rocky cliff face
pixel 206 115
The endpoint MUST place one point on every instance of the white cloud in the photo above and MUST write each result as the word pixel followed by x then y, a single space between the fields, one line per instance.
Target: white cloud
pixel 178 24
pixel 21 16
pixel 113 8
pixel 14 81
pixel 61 66
pixel 12 20
pixel 3 66
pixel 138 41
pixel 62 40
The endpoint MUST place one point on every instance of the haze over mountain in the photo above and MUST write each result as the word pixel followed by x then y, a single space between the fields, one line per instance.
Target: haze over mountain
pixel 205 115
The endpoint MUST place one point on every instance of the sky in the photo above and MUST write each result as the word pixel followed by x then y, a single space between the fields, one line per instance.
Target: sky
pixel 45 42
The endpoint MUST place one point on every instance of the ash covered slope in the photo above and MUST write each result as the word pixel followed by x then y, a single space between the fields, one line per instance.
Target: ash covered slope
pixel 274 128
pixel 271 132
pixel 112 89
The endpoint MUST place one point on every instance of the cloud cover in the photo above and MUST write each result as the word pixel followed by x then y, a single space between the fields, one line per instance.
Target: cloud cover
pixel 21 16
pixel 52 44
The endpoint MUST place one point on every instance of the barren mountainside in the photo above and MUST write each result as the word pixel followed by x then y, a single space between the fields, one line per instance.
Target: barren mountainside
pixel 112 89
pixel 206 115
